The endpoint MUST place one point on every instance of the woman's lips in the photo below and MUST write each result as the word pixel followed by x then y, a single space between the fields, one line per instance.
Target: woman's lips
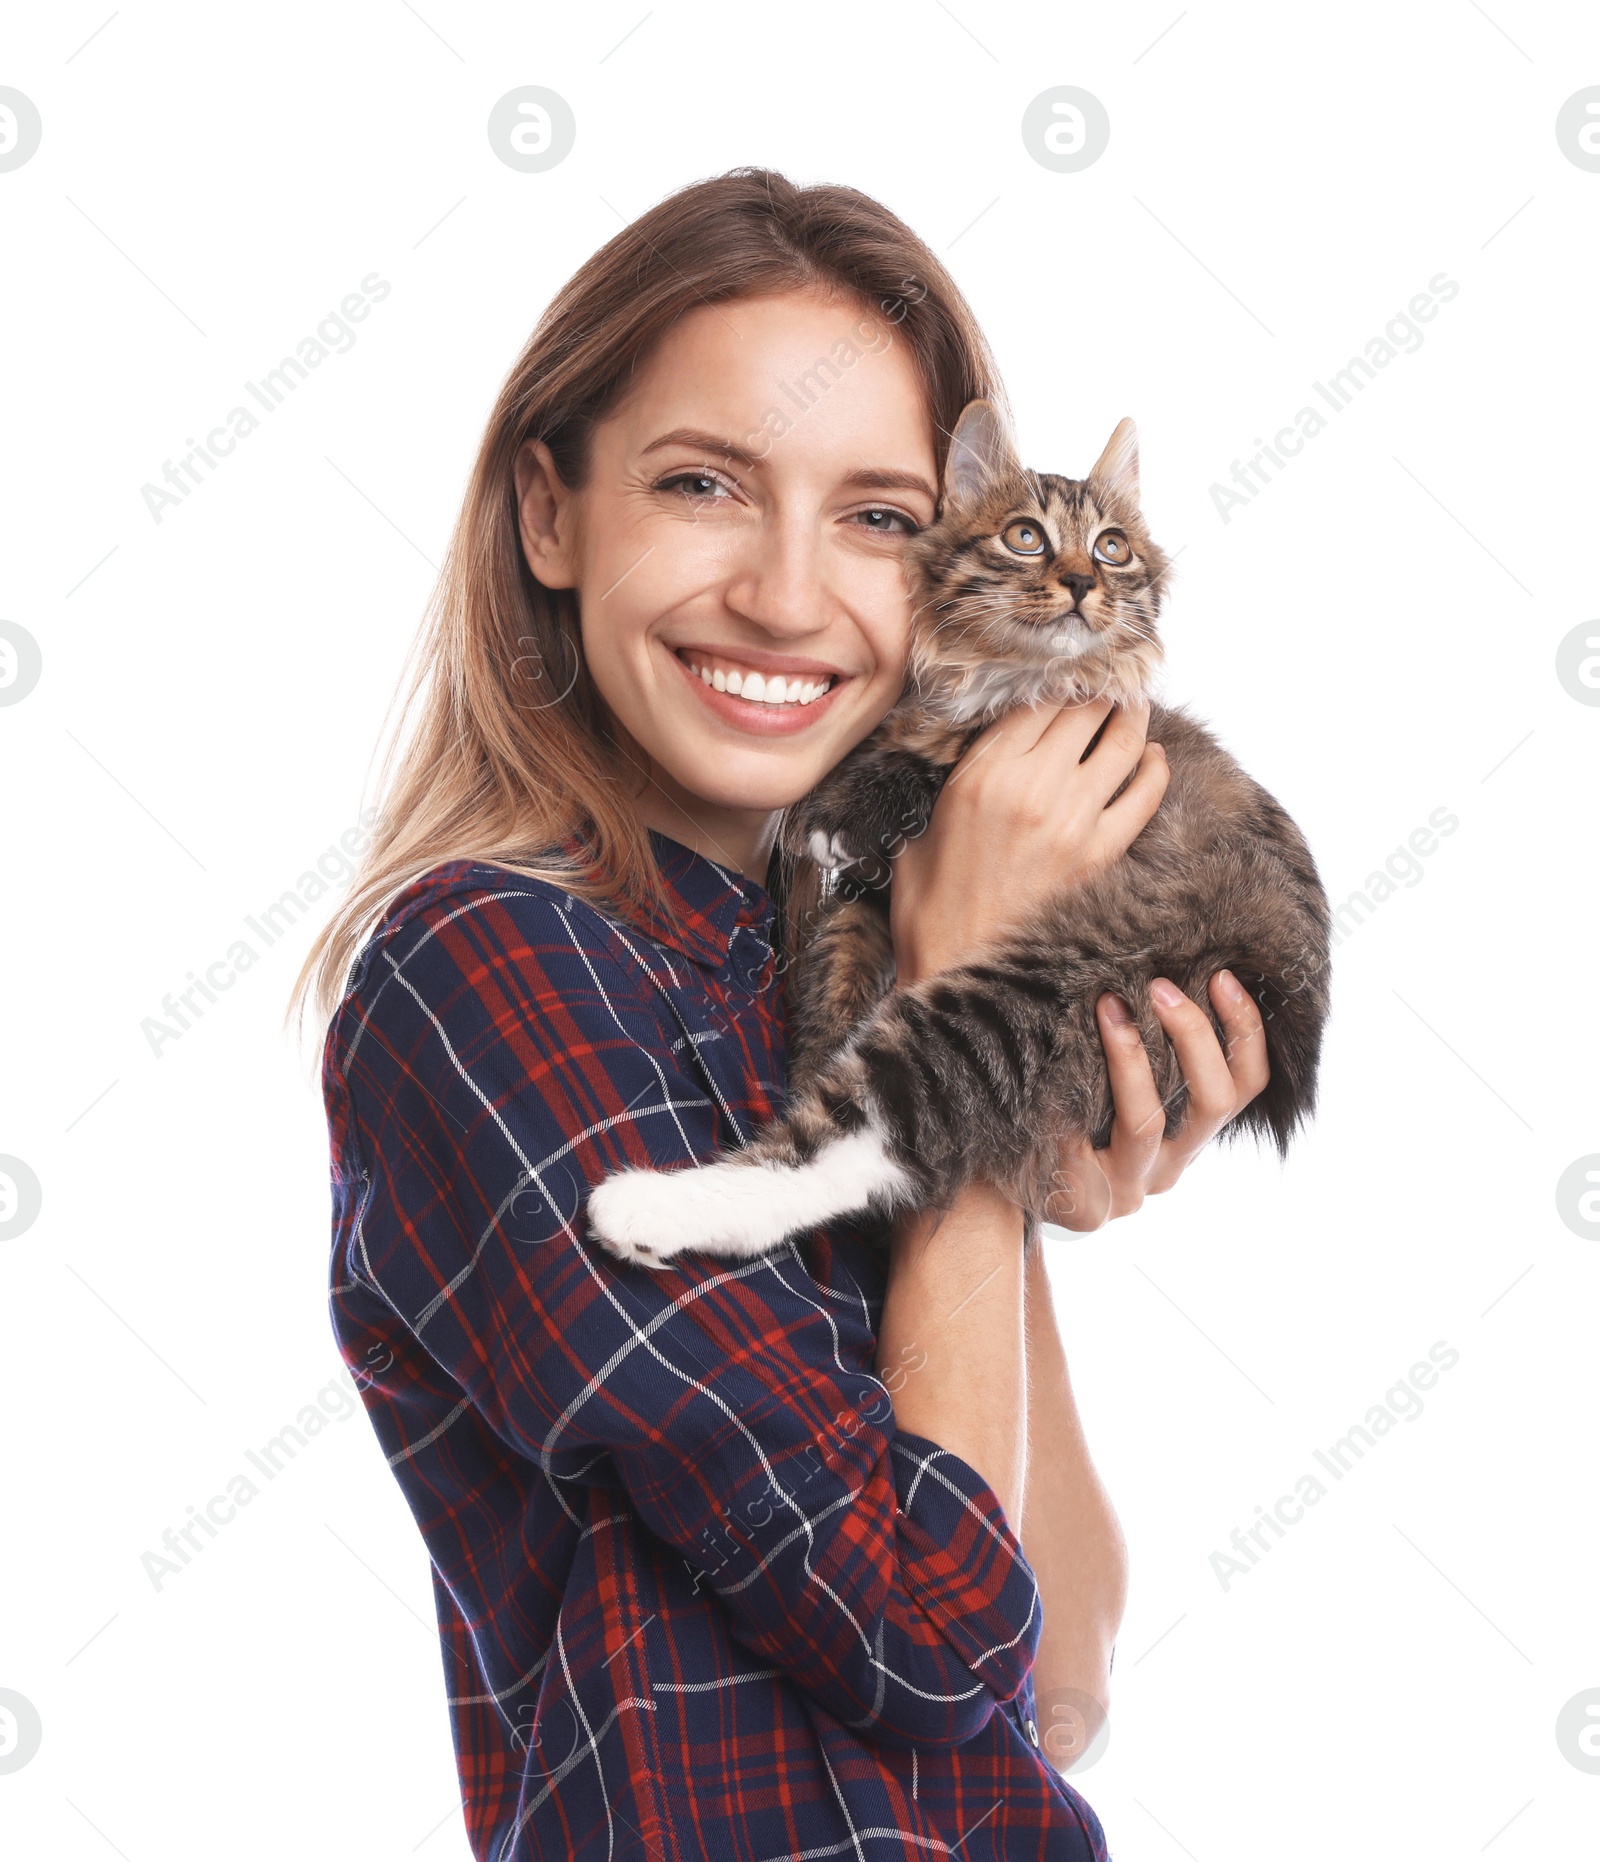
pixel 757 716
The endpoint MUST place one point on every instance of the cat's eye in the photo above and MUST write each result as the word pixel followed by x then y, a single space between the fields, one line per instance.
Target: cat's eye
pixel 1111 546
pixel 1024 537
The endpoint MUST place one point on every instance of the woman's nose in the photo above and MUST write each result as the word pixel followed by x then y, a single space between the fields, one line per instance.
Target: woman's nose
pixel 778 581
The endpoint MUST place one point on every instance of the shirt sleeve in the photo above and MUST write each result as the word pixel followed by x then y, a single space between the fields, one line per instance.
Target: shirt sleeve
pixel 500 1060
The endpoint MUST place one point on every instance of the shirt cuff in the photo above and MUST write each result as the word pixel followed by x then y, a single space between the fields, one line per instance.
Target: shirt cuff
pixel 963 1563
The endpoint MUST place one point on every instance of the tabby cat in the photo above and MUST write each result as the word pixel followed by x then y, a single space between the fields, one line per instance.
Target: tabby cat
pixel 1028 588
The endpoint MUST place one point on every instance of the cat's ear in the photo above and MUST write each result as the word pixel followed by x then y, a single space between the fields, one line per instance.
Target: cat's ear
pixel 1117 469
pixel 981 451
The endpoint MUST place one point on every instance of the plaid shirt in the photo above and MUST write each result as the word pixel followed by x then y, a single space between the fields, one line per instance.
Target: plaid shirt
pixel 698 1596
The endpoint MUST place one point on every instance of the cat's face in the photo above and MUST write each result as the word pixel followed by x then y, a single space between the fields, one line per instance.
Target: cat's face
pixel 1034 586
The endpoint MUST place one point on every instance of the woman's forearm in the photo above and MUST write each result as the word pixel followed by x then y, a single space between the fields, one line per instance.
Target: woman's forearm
pixel 950 1339
pixel 1071 1536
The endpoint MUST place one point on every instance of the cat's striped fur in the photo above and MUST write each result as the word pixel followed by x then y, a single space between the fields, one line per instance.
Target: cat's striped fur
pixel 900 1096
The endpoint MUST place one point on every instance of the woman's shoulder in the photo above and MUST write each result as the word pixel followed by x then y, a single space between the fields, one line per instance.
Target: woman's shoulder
pixel 463 916
pixel 458 886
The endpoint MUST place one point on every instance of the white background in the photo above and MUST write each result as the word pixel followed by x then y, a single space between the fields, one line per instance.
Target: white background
pixel 1375 635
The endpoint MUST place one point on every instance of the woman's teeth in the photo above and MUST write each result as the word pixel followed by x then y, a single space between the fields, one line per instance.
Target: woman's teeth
pixel 771 689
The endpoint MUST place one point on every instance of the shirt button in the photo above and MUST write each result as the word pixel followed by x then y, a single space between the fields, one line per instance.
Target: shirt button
pixel 1033 1734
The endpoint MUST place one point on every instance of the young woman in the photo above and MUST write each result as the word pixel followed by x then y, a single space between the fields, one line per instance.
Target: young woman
pixel 798 1557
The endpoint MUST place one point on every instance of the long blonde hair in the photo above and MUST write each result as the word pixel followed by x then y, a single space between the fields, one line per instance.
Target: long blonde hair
pixel 499 747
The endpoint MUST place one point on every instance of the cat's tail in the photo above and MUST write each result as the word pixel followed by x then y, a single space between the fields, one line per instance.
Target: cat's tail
pixel 830 1155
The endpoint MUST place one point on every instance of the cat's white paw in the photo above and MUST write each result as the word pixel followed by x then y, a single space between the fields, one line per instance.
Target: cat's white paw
pixel 738 1209
pixel 828 851
pixel 729 1210
pixel 625 1218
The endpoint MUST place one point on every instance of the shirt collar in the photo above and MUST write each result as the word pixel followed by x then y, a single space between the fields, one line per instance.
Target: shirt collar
pixel 712 902
pixel 709 904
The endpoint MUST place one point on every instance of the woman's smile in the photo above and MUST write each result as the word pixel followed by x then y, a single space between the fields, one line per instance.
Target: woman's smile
pixel 768 694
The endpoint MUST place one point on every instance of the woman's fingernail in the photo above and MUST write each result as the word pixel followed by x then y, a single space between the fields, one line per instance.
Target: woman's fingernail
pixel 1160 750
pixel 1169 995
pixel 1114 1009
pixel 1232 988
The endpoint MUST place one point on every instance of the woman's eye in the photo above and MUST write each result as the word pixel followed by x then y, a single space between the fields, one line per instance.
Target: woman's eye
pixel 1113 547
pixel 885 523
pixel 692 484
pixel 1024 538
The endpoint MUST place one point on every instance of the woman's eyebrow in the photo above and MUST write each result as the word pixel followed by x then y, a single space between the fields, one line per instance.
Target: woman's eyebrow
pixel 704 442
pixel 887 478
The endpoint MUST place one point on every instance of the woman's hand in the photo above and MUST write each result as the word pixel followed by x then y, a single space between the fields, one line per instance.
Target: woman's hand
pixel 1022 815
pixel 1093 1186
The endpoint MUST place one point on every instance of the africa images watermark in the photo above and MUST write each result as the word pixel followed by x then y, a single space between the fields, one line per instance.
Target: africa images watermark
pixel 1402 1402
pixel 184 1007
pixel 1400 336
pixel 825 1452
pixel 865 337
pixel 332 336
pixel 1403 867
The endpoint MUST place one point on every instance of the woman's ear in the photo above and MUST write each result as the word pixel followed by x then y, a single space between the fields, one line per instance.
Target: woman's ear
pixel 545 517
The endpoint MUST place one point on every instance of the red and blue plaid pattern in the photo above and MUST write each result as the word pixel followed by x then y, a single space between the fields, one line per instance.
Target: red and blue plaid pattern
pixel 697 1595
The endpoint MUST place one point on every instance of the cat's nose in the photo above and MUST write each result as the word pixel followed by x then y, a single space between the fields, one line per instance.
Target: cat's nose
pixel 1079 585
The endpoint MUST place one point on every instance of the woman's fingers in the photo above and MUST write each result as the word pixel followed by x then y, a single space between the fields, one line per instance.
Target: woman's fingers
pixel 1222 1078
pixel 1066 731
pixel 1200 1056
pixel 1090 1186
pixel 1062 745
pixel 1219 1082
pixel 1137 1129
pixel 1122 821
pixel 1245 1047
pixel 1018 731
pixel 1036 760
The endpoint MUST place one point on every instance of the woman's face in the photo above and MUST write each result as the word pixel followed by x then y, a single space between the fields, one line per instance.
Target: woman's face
pixel 741 535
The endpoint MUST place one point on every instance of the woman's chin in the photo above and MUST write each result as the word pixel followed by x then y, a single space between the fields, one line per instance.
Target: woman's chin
pixel 751 780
